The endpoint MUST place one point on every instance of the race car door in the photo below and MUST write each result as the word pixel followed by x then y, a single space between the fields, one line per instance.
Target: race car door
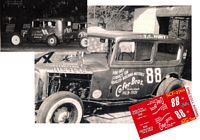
pixel 133 72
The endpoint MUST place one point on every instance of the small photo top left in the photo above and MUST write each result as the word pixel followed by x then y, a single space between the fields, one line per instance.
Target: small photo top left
pixel 42 25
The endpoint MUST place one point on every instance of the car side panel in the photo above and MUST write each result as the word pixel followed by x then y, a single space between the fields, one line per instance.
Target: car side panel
pixel 136 82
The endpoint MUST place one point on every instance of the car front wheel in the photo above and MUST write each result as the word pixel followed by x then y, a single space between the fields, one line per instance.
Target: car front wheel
pixel 52 41
pixel 61 107
pixel 16 39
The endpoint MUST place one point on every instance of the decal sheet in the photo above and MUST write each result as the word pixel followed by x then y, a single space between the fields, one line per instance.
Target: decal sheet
pixel 163 112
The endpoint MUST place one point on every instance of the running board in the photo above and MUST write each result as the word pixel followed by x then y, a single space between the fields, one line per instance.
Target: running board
pixel 115 103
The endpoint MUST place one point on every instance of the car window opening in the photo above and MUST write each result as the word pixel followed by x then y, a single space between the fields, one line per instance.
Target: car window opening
pixel 134 51
pixel 168 52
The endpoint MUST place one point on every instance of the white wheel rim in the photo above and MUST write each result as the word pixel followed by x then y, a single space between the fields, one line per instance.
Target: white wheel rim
pixel 82 34
pixel 61 102
pixel 15 40
pixel 51 41
pixel 84 42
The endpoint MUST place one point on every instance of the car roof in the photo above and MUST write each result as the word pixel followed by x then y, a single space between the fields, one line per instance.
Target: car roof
pixel 130 35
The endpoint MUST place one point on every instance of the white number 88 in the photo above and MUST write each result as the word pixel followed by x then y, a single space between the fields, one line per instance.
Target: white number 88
pixel 150 75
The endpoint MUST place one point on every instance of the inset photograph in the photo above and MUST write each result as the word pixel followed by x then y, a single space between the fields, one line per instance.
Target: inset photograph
pixel 42 25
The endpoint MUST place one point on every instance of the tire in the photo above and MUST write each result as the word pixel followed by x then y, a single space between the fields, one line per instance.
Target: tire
pixel 61 107
pixel 168 85
pixel 82 34
pixel 16 39
pixel 84 42
pixel 52 41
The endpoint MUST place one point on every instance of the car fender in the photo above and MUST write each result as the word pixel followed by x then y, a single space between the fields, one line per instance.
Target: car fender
pixel 173 74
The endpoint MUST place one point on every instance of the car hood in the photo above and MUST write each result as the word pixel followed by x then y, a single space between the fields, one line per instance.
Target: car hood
pixel 85 65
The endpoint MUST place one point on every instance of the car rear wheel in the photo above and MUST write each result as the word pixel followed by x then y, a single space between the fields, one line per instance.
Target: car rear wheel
pixel 84 42
pixel 168 85
pixel 61 107
pixel 16 39
pixel 52 41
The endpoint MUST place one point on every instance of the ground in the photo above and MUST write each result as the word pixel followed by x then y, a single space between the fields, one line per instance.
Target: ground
pixel 118 117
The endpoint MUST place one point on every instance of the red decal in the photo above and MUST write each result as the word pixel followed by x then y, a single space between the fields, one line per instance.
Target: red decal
pixel 163 112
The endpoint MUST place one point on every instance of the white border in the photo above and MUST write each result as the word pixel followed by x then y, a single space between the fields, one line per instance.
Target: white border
pixel 17 96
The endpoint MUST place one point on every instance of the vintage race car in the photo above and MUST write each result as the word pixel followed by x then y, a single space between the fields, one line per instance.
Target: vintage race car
pixel 48 30
pixel 119 68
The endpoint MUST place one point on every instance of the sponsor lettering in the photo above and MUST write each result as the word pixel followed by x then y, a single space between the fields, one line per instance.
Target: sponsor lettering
pixel 126 88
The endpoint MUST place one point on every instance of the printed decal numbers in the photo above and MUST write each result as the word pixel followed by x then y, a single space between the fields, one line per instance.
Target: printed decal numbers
pixel 153 74
pixel 175 101
pixel 180 114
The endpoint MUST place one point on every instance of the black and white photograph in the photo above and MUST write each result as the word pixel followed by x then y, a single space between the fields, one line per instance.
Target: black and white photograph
pixel 99 69
pixel 131 54
pixel 42 25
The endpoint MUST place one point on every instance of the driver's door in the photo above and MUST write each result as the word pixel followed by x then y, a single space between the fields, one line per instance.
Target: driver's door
pixel 131 67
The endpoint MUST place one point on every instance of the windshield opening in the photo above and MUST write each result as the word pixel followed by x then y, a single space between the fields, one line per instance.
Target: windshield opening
pixel 99 45
pixel 37 24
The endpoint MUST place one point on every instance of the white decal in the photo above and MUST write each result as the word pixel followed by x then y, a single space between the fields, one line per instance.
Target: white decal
pixel 138 111
pixel 166 124
pixel 156 101
pixel 165 121
pixel 125 88
pixel 138 73
pixel 146 129
pixel 44 31
pixel 149 72
pixel 157 75
pixel 180 114
pixel 160 119
pixel 158 105
pixel 150 75
pixel 122 74
pixel 163 107
pixel 175 101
